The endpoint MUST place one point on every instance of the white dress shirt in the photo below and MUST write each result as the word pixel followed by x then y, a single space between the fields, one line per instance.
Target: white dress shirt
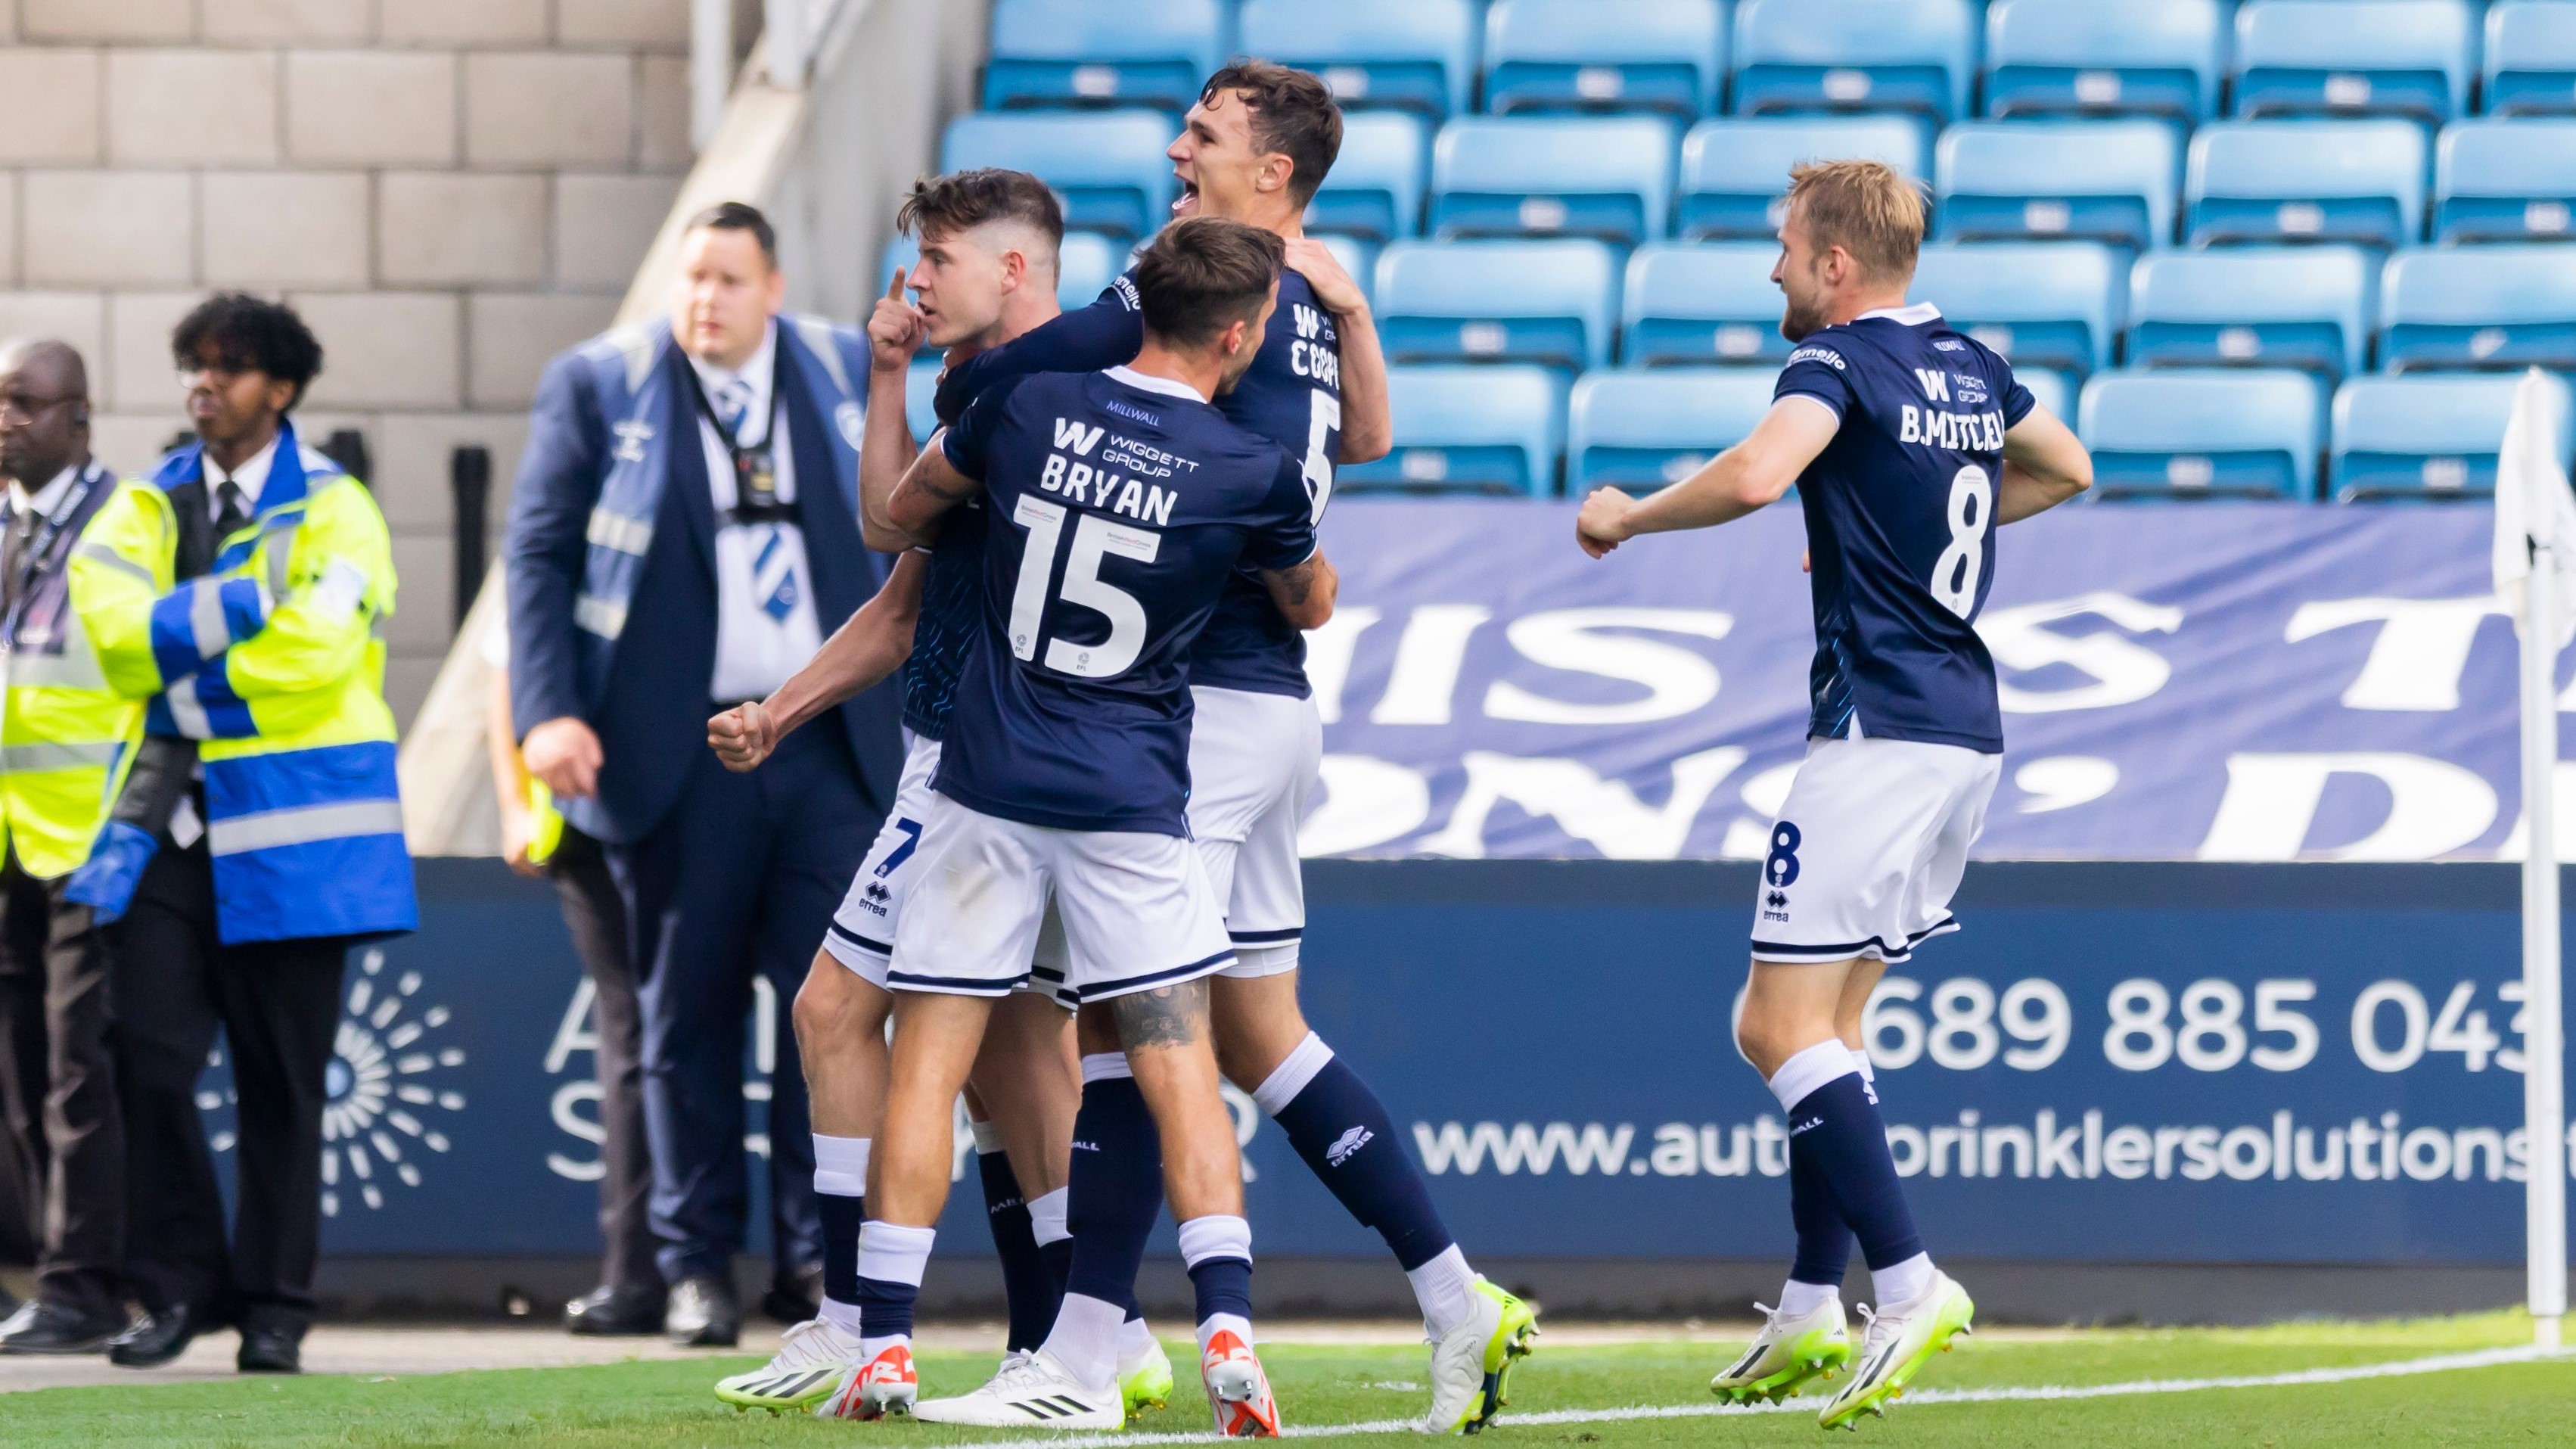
pixel 46 499
pixel 249 478
pixel 766 627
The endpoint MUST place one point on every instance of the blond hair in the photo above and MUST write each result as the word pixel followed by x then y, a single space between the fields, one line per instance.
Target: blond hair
pixel 1865 208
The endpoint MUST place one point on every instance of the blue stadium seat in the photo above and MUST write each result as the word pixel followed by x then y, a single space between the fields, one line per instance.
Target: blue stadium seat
pixel 1642 430
pixel 2051 389
pixel 1714 302
pixel 1084 265
pixel 2357 181
pixel 2423 438
pixel 2141 57
pixel 1736 169
pixel 1604 176
pixel 2190 433
pixel 2504 180
pixel 920 389
pixel 2353 58
pixel 1418 55
pixel 1880 55
pixel 2112 181
pixel 1108 166
pixel 2530 57
pixel 1376 184
pixel 1550 302
pixel 1468 430
pixel 2040 304
pixel 2498 306
pixel 1629 55
pixel 1101 52
pixel 2305 307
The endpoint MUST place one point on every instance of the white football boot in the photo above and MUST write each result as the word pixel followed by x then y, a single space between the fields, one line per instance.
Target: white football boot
pixel 1901 1338
pixel 1471 1364
pixel 1032 1391
pixel 804 1371
pixel 1790 1350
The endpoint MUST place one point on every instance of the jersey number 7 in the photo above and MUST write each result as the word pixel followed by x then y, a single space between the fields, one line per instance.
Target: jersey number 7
pixel 1094 538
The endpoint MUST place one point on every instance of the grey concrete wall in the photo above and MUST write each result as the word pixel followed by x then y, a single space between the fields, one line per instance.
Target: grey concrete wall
pixel 450 190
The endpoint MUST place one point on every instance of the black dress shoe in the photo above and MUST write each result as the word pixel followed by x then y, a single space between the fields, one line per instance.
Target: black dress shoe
pixel 703 1314
pixel 270 1351
pixel 58 1328
pixel 157 1338
pixel 606 1312
pixel 794 1299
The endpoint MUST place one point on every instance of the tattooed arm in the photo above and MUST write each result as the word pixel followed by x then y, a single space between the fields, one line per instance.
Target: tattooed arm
pixel 1305 592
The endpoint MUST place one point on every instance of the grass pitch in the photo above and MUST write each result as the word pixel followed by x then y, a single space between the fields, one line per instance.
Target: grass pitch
pixel 668 1405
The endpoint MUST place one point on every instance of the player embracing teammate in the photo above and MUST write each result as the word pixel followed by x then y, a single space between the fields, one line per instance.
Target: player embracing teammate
pixel 1909 444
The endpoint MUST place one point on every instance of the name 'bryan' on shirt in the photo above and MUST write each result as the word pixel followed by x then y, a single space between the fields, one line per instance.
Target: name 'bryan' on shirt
pixel 1122 483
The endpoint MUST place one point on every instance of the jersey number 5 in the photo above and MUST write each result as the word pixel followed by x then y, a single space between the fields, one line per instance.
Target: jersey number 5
pixel 1094 538
pixel 1956 571
pixel 1323 425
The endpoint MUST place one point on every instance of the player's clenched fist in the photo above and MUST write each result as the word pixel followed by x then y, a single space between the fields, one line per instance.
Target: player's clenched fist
pixel 1603 523
pixel 742 737
pixel 1334 288
pixel 895 329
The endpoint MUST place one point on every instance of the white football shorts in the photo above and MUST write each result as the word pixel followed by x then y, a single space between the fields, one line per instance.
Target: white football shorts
pixel 862 932
pixel 1136 908
pixel 1254 761
pixel 1869 848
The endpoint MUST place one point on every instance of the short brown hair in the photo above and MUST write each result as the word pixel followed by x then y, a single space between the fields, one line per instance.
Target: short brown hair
pixel 1203 274
pixel 1293 113
pixel 963 200
pixel 740 216
pixel 1865 208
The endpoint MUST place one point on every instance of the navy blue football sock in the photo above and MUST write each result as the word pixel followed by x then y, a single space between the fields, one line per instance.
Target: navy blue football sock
pixel 1346 1138
pixel 1116 1185
pixel 1029 1291
pixel 1839 1129
pixel 1824 1239
pixel 840 1183
pixel 1218 1249
pixel 891 1259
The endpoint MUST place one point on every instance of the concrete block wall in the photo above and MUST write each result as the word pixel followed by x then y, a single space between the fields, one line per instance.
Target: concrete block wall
pixel 450 190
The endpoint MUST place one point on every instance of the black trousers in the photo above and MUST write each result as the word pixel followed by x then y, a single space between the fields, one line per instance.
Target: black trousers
pixel 278 1005
pixel 56 1012
pixel 739 881
pixel 596 916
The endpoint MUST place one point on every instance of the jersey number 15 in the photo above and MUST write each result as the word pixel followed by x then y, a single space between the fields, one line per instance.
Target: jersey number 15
pixel 1094 539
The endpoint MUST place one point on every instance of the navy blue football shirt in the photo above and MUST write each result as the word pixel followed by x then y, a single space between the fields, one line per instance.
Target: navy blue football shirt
pixel 943 633
pixel 1292 395
pixel 1901 525
pixel 1116 507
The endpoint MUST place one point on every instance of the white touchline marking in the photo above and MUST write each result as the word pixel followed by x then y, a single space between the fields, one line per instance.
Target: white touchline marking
pixel 2439 1363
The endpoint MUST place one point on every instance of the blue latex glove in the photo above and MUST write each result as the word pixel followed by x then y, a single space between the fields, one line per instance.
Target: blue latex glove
pixel 105 882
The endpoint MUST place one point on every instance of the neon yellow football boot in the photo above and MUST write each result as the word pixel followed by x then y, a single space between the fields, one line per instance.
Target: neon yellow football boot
pixel 1145 1380
pixel 1900 1340
pixel 1471 1364
pixel 1789 1351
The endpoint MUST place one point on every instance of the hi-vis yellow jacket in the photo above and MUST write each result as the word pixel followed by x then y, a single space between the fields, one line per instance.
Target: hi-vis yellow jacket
pixel 78 665
pixel 274 662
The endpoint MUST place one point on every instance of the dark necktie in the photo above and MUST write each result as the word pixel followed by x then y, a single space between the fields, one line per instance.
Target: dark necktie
pixel 230 515
pixel 13 553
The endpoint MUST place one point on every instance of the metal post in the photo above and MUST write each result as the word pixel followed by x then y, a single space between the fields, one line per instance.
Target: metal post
pixel 710 67
pixel 2543 1101
pixel 469 473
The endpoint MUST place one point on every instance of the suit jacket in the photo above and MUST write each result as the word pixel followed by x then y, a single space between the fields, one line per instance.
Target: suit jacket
pixel 651 713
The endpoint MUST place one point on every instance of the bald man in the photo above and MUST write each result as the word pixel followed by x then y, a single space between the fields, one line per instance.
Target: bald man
pixel 62 735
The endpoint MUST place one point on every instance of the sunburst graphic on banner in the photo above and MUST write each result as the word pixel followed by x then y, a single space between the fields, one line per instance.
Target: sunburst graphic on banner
pixel 383 1092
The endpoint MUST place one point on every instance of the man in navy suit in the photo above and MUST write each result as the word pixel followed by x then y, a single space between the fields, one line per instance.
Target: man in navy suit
pixel 683 536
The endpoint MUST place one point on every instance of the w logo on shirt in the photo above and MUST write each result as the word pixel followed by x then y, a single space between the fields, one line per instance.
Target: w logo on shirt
pixel 1936 384
pixel 1070 434
pixel 1349 1143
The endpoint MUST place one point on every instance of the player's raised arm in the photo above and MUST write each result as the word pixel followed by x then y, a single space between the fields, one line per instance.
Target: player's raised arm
pixel 885 442
pixel 869 646
pixel 1368 420
pixel 2044 465
pixel 929 488
pixel 1753 474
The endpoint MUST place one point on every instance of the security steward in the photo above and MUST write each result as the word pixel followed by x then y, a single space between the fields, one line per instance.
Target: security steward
pixel 82 558
pixel 683 536
pixel 253 867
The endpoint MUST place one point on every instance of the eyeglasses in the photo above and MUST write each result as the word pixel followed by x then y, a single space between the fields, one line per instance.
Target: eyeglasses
pixel 20 407
pixel 221 374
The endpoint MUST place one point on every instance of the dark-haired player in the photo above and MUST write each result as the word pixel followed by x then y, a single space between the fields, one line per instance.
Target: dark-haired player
pixel 1909 443
pixel 1255 149
pixel 1117 505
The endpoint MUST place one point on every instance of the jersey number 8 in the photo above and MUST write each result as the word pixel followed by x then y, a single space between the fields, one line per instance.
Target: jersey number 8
pixel 1956 572
pixel 1094 539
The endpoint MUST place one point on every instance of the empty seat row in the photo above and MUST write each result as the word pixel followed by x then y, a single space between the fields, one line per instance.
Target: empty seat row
pixel 2430 59
pixel 1628 179
pixel 2063 305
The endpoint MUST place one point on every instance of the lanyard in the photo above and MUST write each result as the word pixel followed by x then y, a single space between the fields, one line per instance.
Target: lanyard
pixel 755 469
pixel 41 545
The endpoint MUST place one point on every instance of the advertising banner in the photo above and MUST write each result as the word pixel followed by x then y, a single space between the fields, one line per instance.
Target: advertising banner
pixel 2242 682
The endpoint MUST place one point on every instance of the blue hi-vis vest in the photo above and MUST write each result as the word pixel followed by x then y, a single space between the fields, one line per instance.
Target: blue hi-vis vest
pixel 274 662
pixel 634 388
